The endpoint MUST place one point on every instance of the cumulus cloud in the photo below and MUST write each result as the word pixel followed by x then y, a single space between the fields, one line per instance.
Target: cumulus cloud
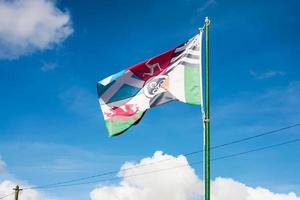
pixel 6 187
pixel 31 25
pixel 179 183
pixel 225 188
pixel 266 75
pixel 175 184
pixel 2 165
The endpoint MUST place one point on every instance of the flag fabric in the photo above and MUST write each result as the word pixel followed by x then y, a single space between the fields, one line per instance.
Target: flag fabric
pixel 173 75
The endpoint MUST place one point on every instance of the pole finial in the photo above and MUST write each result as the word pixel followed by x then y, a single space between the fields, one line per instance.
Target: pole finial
pixel 207 21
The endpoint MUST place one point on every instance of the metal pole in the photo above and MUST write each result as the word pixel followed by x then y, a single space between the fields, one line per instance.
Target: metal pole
pixel 206 120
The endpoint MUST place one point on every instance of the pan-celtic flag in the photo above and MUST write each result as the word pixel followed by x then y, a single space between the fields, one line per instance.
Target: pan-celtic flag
pixel 173 75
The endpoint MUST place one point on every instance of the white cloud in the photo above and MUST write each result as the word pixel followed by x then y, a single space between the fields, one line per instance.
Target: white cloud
pixel 2 165
pixel 49 67
pixel 176 184
pixel 31 25
pixel 225 188
pixel 266 75
pixel 274 102
pixel 206 5
pixel 81 101
pixel 6 187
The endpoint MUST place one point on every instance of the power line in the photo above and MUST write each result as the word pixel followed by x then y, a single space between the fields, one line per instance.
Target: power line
pixel 117 178
pixel 258 149
pixel 256 136
pixel 180 166
pixel 164 160
pixel 5 196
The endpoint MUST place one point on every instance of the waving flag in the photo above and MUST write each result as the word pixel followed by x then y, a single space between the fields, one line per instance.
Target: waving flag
pixel 173 75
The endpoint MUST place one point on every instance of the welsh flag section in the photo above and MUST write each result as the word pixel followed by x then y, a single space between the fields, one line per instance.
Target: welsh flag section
pixel 173 75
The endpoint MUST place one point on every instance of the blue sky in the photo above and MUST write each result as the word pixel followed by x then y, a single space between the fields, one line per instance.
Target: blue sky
pixel 51 127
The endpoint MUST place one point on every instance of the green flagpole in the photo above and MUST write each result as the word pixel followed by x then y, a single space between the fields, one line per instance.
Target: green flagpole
pixel 206 120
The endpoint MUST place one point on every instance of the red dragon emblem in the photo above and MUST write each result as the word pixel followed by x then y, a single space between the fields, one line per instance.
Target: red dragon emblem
pixel 125 111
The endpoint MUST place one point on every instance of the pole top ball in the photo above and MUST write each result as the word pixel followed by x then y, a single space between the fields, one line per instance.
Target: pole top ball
pixel 207 21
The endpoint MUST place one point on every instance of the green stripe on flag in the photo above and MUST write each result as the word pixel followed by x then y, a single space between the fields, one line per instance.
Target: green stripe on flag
pixel 118 124
pixel 192 85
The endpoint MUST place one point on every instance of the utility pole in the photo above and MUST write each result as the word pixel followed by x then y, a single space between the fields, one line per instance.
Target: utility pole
pixel 17 190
